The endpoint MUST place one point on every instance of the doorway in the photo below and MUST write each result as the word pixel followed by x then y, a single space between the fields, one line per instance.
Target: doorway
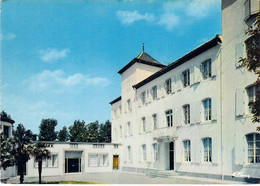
pixel 171 155
pixel 115 161
pixel 73 161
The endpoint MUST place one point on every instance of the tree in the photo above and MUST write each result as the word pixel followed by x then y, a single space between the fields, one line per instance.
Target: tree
pixel 63 134
pixel 252 63
pixel 7 159
pixel 40 154
pixel 105 132
pixel 93 132
pixel 47 130
pixel 78 131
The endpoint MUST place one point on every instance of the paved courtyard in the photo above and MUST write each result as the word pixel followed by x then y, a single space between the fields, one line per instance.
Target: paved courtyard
pixel 124 178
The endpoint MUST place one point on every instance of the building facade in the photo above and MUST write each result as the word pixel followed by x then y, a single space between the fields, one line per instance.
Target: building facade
pixel 192 116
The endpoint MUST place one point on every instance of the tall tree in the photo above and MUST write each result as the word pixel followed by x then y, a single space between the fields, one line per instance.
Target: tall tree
pixel 78 131
pixel 47 130
pixel 93 132
pixel 63 134
pixel 252 63
pixel 105 132
pixel 40 154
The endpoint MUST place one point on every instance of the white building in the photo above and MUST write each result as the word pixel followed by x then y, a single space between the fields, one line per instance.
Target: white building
pixel 192 116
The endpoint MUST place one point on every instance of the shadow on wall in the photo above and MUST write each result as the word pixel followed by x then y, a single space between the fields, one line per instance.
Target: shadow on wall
pixel 226 4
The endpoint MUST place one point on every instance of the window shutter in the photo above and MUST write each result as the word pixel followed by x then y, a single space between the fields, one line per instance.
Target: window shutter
pixel 179 116
pixel 199 112
pixel 238 150
pixel 192 76
pixel 178 82
pixel 173 83
pixel 240 102
pixel 214 108
pixel 214 146
pixel 240 52
pixel 214 68
pixel 193 113
pixel 163 89
pixel 198 73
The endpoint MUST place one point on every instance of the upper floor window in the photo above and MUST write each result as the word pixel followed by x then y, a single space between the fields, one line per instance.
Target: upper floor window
pixel 207 109
pixel 154 116
pixel 168 86
pixel 128 128
pixel 253 142
pixel 206 69
pixel 207 144
pixel 154 92
pixel 144 152
pixel 143 125
pixel 142 96
pixel 7 131
pixel 186 113
pixel 186 145
pixel 129 153
pixel 186 78
pixel 169 118
pixel 129 105
pixel 251 93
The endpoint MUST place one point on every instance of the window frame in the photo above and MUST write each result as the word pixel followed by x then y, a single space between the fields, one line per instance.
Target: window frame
pixel 169 117
pixel 168 86
pixel 254 148
pixel 186 113
pixel 154 92
pixel 142 96
pixel 187 150
pixel 207 109
pixel 206 67
pixel 143 124
pixel 155 123
pixel 144 153
pixel 207 149
pixel 186 78
pixel 129 105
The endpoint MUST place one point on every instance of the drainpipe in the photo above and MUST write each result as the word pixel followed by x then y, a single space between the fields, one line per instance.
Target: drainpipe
pixel 221 114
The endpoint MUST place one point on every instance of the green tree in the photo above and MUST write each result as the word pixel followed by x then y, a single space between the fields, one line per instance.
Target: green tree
pixel 40 154
pixel 105 132
pixel 252 63
pixel 7 159
pixel 78 131
pixel 47 130
pixel 93 132
pixel 63 134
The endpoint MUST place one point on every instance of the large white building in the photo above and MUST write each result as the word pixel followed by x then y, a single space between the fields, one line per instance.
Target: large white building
pixel 192 116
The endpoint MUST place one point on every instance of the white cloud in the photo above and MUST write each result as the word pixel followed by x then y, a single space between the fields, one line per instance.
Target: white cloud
pixel 52 54
pixel 200 8
pixel 169 19
pixel 7 36
pixel 129 17
pixel 58 81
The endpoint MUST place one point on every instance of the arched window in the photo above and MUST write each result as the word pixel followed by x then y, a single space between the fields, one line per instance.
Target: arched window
pixel 207 144
pixel 186 146
pixel 253 142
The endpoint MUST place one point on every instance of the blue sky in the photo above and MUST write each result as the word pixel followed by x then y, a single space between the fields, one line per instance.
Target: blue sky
pixel 60 58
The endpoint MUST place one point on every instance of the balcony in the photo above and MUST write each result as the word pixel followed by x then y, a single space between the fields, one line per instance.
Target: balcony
pixel 164 134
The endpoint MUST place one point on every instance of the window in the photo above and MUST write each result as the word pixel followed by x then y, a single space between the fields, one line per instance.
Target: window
pixel 169 118
pixel 6 131
pixel 129 153
pixel 143 97
pixel 207 109
pixel 186 78
pixel 168 86
pixel 251 8
pixel 154 92
pixel 144 152
pixel 251 97
pixel 154 116
pixel 143 125
pixel 186 145
pixel 129 106
pixel 207 149
pixel 206 69
pixel 98 160
pixel 128 128
pixel 53 162
pixel 155 151
pixel 186 113
pixel 253 142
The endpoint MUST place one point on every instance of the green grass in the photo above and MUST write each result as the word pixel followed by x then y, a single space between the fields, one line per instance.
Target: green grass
pixel 61 182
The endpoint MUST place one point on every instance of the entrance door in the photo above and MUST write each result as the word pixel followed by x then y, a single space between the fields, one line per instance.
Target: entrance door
pixel 115 162
pixel 72 165
pixel 171 155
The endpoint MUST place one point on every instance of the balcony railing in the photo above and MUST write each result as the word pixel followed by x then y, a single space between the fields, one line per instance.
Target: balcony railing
pixel 165 134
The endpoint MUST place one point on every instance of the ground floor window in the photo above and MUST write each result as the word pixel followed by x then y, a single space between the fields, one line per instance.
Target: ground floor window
pixel 207 144
pixel 98 160
pixel 186 145
pixel 144 152
pixel 253 142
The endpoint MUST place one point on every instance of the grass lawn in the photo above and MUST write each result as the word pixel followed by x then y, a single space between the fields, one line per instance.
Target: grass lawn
pixel 61 182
